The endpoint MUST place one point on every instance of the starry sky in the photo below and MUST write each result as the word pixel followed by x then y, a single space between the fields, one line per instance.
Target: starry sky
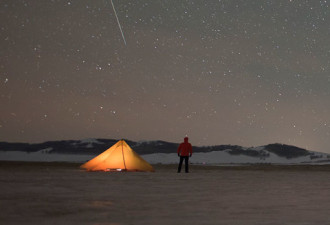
pixel 234 72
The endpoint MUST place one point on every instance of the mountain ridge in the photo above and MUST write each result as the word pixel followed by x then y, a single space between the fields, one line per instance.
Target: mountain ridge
pixel 95 146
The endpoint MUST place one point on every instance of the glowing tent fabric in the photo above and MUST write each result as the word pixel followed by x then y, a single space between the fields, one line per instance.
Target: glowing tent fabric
pixel 120 157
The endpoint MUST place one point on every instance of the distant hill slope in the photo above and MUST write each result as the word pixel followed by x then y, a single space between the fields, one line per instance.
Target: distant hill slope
pixel 88 146
pixel 93 147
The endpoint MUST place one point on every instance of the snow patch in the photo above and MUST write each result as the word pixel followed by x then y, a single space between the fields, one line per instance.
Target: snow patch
pixel 46 150
pixel 90 141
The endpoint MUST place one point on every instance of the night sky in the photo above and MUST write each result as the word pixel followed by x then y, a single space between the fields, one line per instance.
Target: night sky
pixel 234 72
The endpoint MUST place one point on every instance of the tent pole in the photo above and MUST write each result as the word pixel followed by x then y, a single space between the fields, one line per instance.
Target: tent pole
pixel 122 151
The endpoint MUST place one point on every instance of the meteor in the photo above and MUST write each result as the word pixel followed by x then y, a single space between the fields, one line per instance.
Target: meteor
pixel 121 31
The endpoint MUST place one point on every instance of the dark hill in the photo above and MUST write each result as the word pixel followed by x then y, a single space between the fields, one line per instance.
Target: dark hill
pixel 96 146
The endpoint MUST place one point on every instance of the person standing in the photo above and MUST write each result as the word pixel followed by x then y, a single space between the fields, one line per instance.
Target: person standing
pixel 184 152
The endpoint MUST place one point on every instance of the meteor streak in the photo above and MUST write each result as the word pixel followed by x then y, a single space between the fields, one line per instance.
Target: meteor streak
pixel 122 33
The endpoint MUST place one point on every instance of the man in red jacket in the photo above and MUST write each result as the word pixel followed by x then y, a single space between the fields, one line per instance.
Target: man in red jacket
pixel 184 152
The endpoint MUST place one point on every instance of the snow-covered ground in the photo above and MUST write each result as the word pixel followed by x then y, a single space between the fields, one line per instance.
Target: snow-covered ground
pixel 39 193
pixel 209 158
pixel 222 157
pixel 41 156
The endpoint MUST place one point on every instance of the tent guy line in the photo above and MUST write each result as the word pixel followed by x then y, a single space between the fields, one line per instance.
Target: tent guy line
pixel 121 31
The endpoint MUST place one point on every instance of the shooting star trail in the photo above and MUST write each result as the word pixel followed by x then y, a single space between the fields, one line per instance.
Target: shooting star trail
pixel 122 33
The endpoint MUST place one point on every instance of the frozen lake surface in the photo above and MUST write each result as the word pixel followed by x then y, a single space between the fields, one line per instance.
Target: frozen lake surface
pixel 60 193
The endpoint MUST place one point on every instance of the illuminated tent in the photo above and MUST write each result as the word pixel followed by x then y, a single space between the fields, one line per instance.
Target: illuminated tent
pixel 120 157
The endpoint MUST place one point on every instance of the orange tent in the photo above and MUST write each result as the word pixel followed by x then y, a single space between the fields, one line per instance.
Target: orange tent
pixel 120 157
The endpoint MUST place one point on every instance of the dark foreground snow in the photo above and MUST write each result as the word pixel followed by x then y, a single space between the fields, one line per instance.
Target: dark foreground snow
pixel 60 193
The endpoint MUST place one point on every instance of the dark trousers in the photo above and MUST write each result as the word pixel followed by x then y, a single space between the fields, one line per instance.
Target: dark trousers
pixel 186 159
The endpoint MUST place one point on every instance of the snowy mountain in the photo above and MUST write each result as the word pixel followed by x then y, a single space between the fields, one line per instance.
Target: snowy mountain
pixel 160 152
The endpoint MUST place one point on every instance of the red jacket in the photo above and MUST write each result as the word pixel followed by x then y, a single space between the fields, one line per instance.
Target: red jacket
pixel 185 148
